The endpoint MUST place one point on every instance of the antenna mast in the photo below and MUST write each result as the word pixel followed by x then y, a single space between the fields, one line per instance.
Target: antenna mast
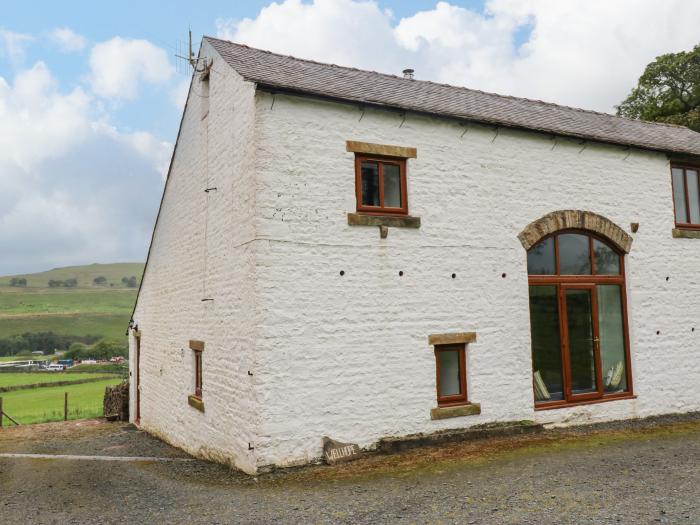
pixel 195 62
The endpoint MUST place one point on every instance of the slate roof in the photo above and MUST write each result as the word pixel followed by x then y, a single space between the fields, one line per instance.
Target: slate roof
pixel 271 71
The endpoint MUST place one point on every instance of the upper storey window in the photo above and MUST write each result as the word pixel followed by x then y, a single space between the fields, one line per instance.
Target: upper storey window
pixel 686 196
pixel 380 185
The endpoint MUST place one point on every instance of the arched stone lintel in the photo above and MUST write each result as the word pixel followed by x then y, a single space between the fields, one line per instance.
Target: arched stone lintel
pixel 575 219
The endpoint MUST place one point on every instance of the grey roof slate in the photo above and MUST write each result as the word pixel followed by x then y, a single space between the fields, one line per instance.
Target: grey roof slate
pixel 273 71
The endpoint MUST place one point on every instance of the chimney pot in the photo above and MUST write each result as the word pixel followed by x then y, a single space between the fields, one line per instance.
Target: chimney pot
pixel 408 73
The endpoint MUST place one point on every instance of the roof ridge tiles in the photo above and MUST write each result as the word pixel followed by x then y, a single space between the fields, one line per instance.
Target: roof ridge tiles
pixel 446 101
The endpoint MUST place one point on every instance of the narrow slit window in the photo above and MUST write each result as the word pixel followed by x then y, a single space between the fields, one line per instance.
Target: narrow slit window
pixel 197 348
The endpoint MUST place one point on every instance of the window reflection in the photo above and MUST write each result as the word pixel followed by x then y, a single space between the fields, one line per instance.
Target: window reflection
pixel 574 257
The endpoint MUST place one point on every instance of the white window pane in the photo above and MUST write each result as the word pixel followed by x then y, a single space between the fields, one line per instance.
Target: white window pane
pixel 679 195
pixel 449 373
pixel 693 196
pixel 392 186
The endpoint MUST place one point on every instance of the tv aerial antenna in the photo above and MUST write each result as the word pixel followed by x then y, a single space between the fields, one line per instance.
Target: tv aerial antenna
pixel 199 64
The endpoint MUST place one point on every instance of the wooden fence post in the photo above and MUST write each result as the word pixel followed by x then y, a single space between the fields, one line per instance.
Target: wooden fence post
pixel 0 412
pixel 65 407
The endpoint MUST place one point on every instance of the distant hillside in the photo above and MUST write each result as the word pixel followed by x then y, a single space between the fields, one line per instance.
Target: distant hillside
pixel 87 309
pixel 85 275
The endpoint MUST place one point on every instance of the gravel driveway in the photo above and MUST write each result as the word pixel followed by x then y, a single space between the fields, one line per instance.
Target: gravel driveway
pixel 635 473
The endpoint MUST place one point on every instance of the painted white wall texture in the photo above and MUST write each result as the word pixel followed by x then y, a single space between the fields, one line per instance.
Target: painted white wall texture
pixel 348 356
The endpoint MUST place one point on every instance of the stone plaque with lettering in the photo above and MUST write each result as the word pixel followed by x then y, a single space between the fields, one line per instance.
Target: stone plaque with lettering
pixel 337 452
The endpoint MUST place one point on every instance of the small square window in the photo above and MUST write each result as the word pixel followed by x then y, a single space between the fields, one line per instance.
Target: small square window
pixel 451 374
pixel 380 185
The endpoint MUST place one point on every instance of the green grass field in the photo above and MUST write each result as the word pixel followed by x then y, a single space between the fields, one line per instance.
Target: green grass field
pixel 112 327
pixel 33 301
pixel 87 310
pixel 40 405
pixel 33 378
pixel 84 274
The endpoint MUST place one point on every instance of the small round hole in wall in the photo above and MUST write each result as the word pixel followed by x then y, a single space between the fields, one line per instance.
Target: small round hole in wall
pixel 342 272
pixel 401 273
pixel 667 278
pixel 503 275
pixel 454 275
pixel 658 332
pixel 692 329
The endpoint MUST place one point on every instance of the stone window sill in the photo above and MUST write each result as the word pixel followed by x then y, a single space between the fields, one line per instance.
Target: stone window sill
pixel 196 402
pixel 393 221
pixel 471 409
pixel 685 233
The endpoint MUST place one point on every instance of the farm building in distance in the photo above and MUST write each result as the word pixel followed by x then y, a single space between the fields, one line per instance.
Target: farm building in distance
pixel 346 254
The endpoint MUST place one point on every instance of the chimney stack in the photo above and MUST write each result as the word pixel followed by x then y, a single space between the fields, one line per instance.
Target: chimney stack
pixel 408 73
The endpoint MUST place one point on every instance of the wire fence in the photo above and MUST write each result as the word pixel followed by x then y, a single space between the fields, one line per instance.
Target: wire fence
pixel 46 404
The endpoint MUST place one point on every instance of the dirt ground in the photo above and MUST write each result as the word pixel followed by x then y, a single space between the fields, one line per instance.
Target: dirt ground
pixel 630 473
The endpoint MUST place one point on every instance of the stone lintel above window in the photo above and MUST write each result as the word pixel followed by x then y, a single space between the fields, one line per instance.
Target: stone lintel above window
pixel 385 150
pixel 405 221
pixel 197 345
pixel 451 339
pixel 470 409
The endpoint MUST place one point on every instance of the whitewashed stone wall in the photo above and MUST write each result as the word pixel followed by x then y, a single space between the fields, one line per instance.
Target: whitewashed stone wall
pixel 348 357
pixel 203 249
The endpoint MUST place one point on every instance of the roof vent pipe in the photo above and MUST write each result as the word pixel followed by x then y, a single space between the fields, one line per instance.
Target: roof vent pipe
pixel 408 73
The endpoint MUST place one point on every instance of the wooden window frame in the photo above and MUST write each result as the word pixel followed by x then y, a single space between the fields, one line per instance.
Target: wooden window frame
pixel 685 168
pixel 197 348
pixel 381 161
pixel 584 281
pixel 198 374
pixel 461 398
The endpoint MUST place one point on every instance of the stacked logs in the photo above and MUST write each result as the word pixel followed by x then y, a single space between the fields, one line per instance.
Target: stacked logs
pixel 116 402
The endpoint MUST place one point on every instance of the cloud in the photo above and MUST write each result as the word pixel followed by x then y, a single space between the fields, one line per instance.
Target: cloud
pixel 119 66
pixel 178 94
pixel 338 31
pixel 67 40
pixel 586 54
pixel 12 45
pixel 73 188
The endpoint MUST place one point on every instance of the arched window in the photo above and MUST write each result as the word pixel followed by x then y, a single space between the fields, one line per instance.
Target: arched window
pixel 578 320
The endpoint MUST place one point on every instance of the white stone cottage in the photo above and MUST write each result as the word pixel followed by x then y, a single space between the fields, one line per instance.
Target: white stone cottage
pixel 349 254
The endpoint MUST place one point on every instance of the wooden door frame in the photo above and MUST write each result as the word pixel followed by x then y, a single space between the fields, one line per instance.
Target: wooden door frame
pixel 137 389
pixel 565 343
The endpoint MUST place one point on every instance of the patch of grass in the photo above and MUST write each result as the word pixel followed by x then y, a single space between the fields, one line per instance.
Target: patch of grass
pixel 108 326
pixel 33 378
pixel 108 368
pixel 39 405
pixel 87 310
pixel 16 301
pixel 5 358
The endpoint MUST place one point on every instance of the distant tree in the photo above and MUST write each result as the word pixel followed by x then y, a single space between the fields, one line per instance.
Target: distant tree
pixel 70 283
pixel 18 281
pixel 76 351
pixel 130 282
pixel 106 350
pixel 55 283
pixel 668 91
pixel 100 280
